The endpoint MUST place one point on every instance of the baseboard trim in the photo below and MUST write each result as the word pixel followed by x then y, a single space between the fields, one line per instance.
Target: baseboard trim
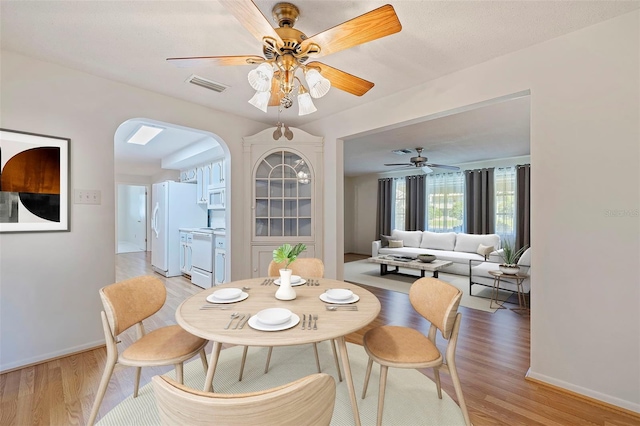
pixel 51 357
pixel 618 408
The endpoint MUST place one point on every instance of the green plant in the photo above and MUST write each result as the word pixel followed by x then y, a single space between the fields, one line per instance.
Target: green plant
pixel 509 254
pixel 287 253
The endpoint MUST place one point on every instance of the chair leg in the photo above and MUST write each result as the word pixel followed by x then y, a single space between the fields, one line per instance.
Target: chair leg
pixel 136 384
pixel 315 351
pixel 244 358
pixel 179 373
pixel 383 385
pixel 266 366
pixel 458 388
pixel 436 373
pixel 335 358
pixel 102 389
pixel 366 377
pixel 203 358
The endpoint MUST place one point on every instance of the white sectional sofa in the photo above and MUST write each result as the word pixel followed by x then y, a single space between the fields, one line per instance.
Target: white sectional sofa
pixel 459 248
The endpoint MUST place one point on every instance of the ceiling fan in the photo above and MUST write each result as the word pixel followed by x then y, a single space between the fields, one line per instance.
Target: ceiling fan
pixel 421 162
pixel 287 49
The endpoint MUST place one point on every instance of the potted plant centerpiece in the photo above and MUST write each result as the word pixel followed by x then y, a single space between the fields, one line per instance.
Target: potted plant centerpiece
pixel 510 257
pixel 287 254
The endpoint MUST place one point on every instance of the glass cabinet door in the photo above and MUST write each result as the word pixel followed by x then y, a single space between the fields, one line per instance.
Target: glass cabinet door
pixel 283 196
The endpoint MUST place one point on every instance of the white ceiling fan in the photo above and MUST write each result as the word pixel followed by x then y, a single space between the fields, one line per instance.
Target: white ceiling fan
pixel 421 162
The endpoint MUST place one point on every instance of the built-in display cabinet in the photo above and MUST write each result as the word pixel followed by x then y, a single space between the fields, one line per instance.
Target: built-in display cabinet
pixel 285 195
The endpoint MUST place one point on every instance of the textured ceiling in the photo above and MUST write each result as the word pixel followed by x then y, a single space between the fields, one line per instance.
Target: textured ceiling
pixel 128 41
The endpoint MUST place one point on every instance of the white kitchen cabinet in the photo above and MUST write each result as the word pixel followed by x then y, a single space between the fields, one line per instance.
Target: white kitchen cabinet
pixel 221 275
pixel 186 238
pixel 216 199
pixel 188 175
pixel 216 174
pixel 202 184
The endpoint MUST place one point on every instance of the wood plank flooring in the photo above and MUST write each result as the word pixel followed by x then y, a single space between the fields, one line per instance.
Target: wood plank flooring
pixel 492 359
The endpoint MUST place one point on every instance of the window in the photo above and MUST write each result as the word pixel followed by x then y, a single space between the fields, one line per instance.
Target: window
pixel 445 202
pixel 505 188
pixel 400 193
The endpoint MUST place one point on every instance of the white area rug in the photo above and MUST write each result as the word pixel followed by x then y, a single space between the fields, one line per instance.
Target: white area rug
pixel 368 273
pixel 410 398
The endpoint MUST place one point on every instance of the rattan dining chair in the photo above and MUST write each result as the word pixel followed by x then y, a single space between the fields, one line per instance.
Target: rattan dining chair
pixel 304 267
pixel 306 401
pixel 403 347
pixel 128 303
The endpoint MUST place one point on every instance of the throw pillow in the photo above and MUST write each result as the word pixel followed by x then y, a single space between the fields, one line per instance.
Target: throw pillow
pixel 384 240
pixel 395 244
pixel 484 250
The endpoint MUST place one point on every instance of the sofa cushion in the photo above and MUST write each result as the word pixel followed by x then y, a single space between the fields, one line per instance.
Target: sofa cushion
pixel 484 250
pixel 438 240
pixel 409 238
pixel 395 244
pixel 470 242
pixel 384 240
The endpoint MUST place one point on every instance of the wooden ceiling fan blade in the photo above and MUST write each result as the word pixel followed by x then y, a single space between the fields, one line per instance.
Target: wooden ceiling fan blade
pixel 373 25
pixel 342 80
pixel 442 166
pixel 399 164
pixel 248 14
pixel 207 61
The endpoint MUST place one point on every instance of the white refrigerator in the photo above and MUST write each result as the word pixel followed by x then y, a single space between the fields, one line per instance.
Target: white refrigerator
pixel 174 206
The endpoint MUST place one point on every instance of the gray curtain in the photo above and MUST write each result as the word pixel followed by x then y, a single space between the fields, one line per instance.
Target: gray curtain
pixel 415 203
pixel 523 206
pixel 385 207
pixel 480 201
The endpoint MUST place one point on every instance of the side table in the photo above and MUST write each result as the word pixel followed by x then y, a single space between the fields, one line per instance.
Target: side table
pixel 518 278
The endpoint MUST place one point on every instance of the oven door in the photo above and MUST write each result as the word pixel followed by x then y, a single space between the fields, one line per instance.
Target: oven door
pixel 202 251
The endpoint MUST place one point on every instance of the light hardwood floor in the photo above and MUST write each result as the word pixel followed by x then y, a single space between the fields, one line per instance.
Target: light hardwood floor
pixel 492 359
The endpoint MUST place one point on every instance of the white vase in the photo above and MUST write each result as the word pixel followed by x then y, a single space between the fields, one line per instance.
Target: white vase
pixel 509 269
pixel 285 291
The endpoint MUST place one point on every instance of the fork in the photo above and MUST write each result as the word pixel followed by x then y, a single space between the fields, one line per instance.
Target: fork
pixel 233 316
pixel 315 322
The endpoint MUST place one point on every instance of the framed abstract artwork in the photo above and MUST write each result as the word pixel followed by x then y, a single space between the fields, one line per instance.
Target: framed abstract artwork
pixel 34 182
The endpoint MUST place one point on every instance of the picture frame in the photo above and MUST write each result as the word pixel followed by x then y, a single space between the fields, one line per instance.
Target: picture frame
pixel 34 182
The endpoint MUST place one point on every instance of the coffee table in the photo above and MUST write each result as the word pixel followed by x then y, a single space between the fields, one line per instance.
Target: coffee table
pixel 386 261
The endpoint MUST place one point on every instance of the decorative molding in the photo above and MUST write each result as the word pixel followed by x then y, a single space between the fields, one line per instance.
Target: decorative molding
pixel 606 401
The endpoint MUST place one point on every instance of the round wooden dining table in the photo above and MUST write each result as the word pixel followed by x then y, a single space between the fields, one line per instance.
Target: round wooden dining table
pixel 210 323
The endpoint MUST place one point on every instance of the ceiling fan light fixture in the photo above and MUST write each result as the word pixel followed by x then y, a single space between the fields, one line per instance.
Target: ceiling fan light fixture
pixel 305 104
pixel 318 85
pixel 260 100
pixel 426 170
pixel 260 77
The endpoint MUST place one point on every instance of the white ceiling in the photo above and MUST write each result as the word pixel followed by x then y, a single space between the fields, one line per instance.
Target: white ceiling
pixel 128 41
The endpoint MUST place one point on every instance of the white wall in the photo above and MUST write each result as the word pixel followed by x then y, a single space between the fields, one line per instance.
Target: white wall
pixel 585 157
pixel 49 304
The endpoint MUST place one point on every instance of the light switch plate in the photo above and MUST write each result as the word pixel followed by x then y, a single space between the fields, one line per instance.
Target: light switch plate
pixel 87 196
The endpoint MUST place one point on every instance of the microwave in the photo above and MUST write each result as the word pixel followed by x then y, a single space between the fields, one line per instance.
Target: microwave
pixel 216 199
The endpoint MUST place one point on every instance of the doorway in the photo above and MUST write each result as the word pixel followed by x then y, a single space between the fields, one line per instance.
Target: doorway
pixel 132 218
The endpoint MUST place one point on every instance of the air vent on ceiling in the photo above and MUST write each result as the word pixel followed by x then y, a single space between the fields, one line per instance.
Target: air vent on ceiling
pixel 401 151
pixel 207 84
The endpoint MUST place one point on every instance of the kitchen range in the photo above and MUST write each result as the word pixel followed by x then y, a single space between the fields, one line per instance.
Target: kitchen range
pixel 203 255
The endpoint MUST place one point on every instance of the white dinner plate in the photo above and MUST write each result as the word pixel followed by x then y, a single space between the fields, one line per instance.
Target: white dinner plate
pixel 352 299
pixel 211 298
pixel 301 282
pixel 254 323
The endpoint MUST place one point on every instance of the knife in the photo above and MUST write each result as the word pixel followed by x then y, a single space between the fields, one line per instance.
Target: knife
pixel 245 320
pixel 239 321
